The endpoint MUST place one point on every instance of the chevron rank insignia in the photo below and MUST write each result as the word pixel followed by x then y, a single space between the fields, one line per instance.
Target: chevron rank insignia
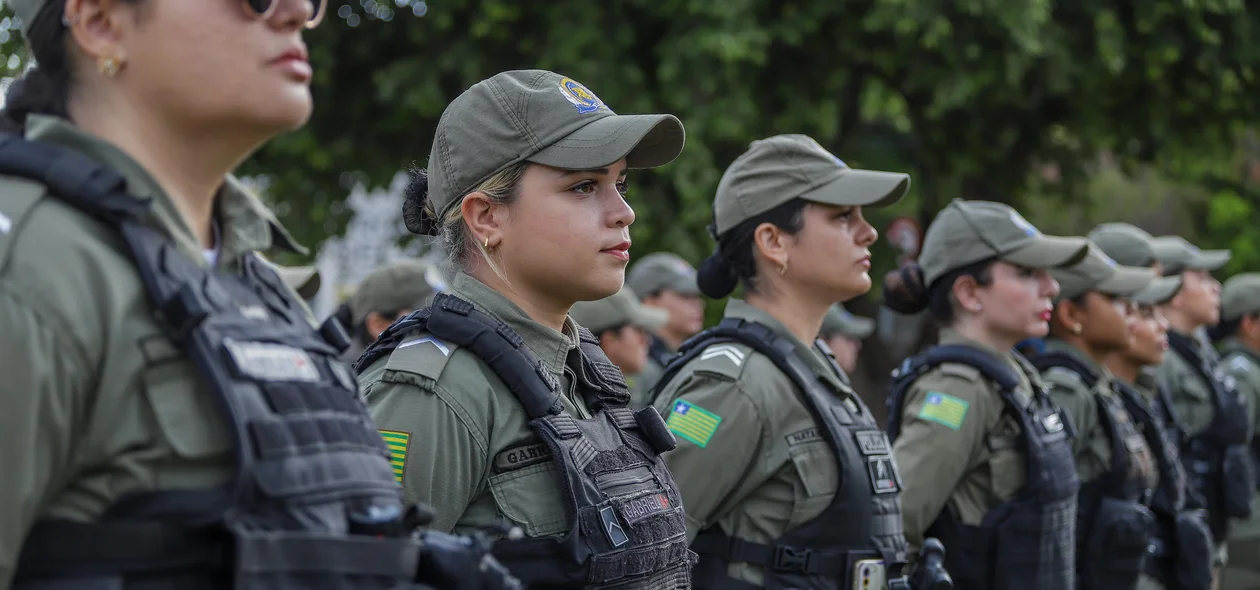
pixel 397 443
pixel 726 351
pixel 693 423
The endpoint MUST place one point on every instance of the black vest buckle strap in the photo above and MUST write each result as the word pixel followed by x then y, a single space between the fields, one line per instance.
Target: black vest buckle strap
pixel 281 522
pixel 633 538
pixel 860 523
pixel 1218 460
pixel 1028 542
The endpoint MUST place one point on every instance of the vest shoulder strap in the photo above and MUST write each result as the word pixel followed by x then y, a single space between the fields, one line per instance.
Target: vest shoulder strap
pixel 724 349
pixel 425 355
pixel 982 364
pixel 1056 361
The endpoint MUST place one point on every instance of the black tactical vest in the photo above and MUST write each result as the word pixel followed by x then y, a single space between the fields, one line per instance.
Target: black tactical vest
pixel 1029 542
pixel 659 351
pixel 1218 459
pixel 312 503
pixel 628 529
pixel 1181 550
pixel 1114 526
pixel 863 520
pixel 1251 357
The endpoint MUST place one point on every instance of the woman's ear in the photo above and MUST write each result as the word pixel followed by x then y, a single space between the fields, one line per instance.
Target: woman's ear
pixel 967 293
pixel 772 244
pixel 483 217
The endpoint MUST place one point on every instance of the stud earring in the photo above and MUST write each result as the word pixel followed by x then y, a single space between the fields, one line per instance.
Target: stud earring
pixel 108 66
pixel 1077 329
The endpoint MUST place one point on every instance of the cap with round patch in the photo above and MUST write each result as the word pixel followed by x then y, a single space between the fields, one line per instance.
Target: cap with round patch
pixel 541 117
pixel 840 321
pixel 1240 295
pixel 617 310
pixel 778 169
pixel 967 232
pixel 1159 291
pixel 1177 255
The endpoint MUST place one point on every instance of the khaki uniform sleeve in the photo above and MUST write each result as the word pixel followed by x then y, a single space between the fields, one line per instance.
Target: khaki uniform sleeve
pixel 1071 395
pixel 47 378
pixel 1247 374
pixel 936 447
pixel 712 461
pixel 437 457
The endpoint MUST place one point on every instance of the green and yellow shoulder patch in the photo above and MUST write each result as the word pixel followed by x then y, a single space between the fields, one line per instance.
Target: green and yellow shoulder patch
pixel 693 423
pixel 944 409
pixel 397 443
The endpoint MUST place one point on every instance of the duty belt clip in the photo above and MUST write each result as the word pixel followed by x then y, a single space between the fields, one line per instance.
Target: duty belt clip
pixel 791 559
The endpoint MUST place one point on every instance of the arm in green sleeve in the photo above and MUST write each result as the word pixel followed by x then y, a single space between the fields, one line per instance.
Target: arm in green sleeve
pixel 44 396
pixel 1075 398
pixel 443 463
pixel 935 448
pixel 713 469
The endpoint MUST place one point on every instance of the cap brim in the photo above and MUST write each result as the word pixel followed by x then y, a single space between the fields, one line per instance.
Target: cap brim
pixel 1211 260
pixel 862 188
pixel 645 141
pixel 1048 252
pixel 650 318
pixel 1159 291
pixel 684 285
pixel 1126 281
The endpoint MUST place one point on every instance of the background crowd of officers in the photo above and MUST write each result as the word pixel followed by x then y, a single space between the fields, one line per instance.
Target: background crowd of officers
pixel 552 415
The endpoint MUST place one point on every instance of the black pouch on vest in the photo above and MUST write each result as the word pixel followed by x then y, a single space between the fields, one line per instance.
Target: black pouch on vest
pixel 1239 481
pixel 1195 551
pixel 1118 544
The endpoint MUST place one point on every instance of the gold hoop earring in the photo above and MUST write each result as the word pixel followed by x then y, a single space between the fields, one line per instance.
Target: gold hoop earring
pixel 783 269
pixel 108 66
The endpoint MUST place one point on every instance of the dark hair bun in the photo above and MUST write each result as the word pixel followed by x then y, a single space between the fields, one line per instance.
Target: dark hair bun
pixel 34 92
pixel 715 277
pixel 418 221
pixel 904 291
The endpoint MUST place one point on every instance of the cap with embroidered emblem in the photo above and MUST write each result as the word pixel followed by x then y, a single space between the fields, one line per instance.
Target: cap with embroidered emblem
pixel 1098 272
pixel 967 232
pixel 544 118
pixel 778 169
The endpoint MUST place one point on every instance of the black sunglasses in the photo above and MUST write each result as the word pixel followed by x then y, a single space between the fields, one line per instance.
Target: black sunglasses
pixel 262 9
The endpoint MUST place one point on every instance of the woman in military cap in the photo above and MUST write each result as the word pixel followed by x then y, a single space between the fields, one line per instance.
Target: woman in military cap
pixel 1181 549
pixel 498 406
pixel 806 492
pixel 985 456
pixel 173 419
pixel 1117 468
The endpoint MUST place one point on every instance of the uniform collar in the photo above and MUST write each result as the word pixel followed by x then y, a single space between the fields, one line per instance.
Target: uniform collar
pixel 245 223
pixel 1027 376
pixel 738 308
pixel 551 347
pixel 1233 344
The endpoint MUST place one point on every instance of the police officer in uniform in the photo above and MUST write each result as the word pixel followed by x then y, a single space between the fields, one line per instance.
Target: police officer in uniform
pixel 496 404
pixel 1092 318
pixel 665 281
pixel 173 418
pixel 1212 414
pixel 843 333
pixel 1239 342
pixel 985 455
pixel 389 292
pixel 1181 550
pixel 623 327
pixel 805 492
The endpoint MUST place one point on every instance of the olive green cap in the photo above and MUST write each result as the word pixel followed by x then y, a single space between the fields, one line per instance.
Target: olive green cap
pixel 662 271
pixel 26 10
pixel 1125 243
pixel 1159 291
pixel 967 232
pixel 839 321
pixel 1098 272
pixel 1177 255
pixel 403 284
pixel 620 309
pixel 541 117
pixel 778 169
pixel 1240 295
